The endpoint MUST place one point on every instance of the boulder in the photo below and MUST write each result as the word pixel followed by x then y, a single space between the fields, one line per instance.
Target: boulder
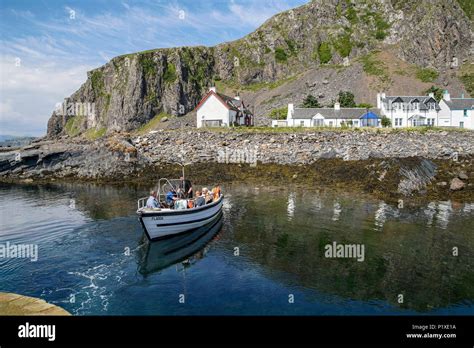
pixel 456 184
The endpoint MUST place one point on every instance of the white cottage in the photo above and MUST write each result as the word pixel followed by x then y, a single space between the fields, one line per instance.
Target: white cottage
pixel 220 110
pixel 409 111
pixel 329 117
pixel 456 112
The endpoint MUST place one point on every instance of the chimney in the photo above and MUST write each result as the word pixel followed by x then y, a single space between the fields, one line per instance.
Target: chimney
pixel 378 100
pixel 431 95
pixel 462 96
pixel 213 89
pixel 237 97
pixel 337 106
pixel 446 95
pixel 383 95
pixel 291 110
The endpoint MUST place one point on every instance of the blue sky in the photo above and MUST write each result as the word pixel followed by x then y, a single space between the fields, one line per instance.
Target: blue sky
pixel 48 46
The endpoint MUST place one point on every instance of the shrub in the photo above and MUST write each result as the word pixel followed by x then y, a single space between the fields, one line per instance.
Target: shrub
pixel 438 92
pixel 169 75
pixel 324 52
pixel 386 122
pixel 426 75
pixel 343 45
pixel 280 55
pixel 346 99
pixel 310 102
pixel 279 114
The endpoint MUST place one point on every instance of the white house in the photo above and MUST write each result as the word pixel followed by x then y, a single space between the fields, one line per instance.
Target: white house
pixel 456 112
pixel 219 110
pixel 329 117
pixel 409 111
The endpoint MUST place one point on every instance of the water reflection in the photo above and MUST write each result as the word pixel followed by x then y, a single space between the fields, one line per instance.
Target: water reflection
pixel 280 232
pixel 188 247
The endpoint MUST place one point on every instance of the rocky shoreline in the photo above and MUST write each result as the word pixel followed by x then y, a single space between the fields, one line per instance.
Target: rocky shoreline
pixel 387 163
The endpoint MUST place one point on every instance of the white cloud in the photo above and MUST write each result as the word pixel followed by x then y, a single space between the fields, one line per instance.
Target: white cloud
pixel 30 93
pixel 57 54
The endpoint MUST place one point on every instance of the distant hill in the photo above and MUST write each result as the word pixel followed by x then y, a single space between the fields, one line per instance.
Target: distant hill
pixel 13 141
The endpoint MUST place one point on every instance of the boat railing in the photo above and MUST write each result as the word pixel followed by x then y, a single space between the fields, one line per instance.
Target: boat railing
pixel 162 185
pixel 142 203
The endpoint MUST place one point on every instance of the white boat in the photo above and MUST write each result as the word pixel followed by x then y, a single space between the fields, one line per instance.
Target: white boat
pixel 155 256
pixel 165 222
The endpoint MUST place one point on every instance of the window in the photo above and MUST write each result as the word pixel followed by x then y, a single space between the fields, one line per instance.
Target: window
pixel 356 123
pixel 465 112
pixel 212 123
pixel 461 124
pixel 301 123
pixel 318 122
pixel 330 123
pixel 398 121
pixel 431 106
pixel 416 106
pixel 430 122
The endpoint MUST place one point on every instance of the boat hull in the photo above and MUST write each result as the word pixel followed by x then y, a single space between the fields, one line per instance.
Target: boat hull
pixel 163 224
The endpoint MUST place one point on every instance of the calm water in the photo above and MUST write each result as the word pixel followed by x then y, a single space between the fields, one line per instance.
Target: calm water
pixel 93 258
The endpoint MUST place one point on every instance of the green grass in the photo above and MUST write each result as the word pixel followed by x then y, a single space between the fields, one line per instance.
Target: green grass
pixel 97 83
pixel 270 130
pixel 468 7
pixel 257 86
pixel 74 125
pixel 169 75
pixel 95 133
pixel 280 55
pixel 324 53
pixel 148 65
pixel 279 114
pixel 152 124
pixel 426 74
pixel 466 75
pixel 343 45
pixel 374 67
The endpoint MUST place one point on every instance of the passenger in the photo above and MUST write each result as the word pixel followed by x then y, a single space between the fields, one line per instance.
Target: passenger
pixel 186 187
pixel 152 201
pixel 216 192
pixel 199 201
pixel 207 195
pixel 171 197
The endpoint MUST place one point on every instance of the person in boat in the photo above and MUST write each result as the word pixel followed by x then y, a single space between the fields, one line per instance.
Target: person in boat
pixel 152 202
pixel 171 197
pixel 207 195
pixel 186 187
pixel 216 192
pixel 199 201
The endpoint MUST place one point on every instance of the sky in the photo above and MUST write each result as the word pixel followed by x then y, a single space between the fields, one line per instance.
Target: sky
pixel 47 47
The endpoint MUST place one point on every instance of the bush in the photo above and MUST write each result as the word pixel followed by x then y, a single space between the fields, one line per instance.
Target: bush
pixel 438 92
pixel 386 122
pixel 346 99
pixel 279 114
pixel 170 73
pixel 310 102
pixel 343 45
pixel 324 52
pixel 280 55
pixel 426 75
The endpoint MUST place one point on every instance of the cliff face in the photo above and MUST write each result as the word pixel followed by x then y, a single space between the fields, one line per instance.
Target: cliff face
pixel 130 90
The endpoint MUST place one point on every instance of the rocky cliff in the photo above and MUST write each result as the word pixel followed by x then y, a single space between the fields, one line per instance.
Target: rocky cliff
pixel 320 36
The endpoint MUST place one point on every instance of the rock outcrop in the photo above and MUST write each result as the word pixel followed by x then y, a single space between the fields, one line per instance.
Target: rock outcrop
pixel 130 90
